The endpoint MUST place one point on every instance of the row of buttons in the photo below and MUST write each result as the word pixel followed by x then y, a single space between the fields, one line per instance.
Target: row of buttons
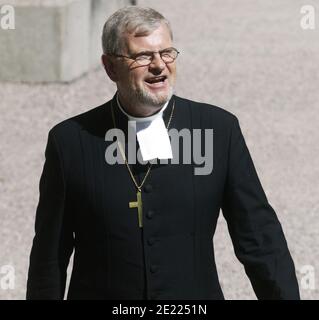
pixel 151 241
pixel 148 189
pixel 150 214
pixel 153 268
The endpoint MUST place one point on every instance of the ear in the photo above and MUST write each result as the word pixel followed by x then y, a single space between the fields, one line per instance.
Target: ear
pixel 109 67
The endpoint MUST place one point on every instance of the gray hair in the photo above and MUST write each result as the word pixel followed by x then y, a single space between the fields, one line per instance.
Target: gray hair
pixel 131 19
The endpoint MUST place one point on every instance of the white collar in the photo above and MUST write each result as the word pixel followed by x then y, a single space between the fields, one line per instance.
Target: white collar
pixel 151 133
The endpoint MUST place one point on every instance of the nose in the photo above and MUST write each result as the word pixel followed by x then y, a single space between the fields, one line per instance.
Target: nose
pixel 157 63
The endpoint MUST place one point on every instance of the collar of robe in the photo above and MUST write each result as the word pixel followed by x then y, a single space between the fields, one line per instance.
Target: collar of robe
pixel 152 134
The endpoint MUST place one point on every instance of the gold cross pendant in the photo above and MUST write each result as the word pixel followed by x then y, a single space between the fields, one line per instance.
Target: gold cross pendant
pixel 138 204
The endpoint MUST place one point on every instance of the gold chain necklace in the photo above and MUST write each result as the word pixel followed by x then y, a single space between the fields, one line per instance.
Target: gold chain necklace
pixel 137 204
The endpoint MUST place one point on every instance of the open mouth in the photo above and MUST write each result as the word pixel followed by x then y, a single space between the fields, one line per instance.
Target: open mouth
pixel 153 80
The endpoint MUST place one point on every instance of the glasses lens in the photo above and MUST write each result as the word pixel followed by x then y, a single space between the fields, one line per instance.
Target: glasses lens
pixel 143 60
pixel 169 55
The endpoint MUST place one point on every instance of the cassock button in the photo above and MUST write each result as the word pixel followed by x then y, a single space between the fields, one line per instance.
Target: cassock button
pixel 153 268
pixel 148 188
pixel 150 214
pixel 151 241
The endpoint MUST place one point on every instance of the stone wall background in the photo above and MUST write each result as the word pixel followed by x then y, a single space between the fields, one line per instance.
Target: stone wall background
pixel 250 57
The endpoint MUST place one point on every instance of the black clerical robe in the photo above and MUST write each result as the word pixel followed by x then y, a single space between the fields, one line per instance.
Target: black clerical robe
pixel 83 207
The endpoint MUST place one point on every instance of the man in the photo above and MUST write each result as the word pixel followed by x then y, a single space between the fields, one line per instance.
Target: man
pixel 144 229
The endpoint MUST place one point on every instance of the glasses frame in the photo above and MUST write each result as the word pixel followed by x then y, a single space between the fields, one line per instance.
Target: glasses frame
pixel 136 55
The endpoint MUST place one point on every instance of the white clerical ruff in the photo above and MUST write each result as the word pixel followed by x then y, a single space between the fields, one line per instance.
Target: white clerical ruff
pixel 152 134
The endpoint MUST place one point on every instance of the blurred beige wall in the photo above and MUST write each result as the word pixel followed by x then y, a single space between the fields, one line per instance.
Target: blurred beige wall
pixel 251 57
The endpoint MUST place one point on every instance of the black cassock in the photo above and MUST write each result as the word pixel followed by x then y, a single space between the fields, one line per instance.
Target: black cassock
pixel 83 206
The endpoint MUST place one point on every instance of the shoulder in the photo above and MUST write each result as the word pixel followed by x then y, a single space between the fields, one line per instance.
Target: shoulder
pixel 91 120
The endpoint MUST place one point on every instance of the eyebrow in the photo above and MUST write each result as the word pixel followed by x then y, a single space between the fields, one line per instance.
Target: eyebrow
pixel 142 52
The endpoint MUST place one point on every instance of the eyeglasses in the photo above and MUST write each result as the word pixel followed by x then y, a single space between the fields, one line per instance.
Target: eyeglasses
pixel 145 58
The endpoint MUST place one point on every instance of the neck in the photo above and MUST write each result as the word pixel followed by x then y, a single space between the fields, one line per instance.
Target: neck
pixel 138 110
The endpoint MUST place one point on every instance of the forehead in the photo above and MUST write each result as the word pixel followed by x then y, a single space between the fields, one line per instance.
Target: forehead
pixel 158 39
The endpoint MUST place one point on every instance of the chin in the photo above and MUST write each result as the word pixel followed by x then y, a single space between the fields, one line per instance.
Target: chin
pixel 156 99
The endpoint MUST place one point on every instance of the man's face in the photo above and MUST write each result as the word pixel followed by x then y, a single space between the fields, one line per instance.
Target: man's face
pixel 148 86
